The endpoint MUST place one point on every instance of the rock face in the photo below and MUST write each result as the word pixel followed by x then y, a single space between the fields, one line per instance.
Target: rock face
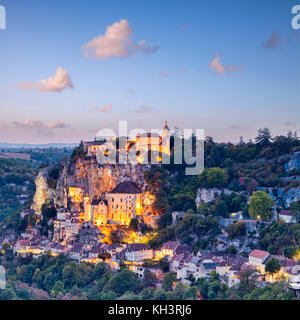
pixel 93 178
pixel 293 163
pixel 43 193
pixel 284 197
pixel 208 195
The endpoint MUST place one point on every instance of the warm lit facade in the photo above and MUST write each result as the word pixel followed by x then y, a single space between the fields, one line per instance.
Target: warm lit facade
pixel 75 194
pixel 124 203
pixel 119 206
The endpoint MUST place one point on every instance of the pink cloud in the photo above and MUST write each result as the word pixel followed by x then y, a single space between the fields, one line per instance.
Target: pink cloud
pixel 144 109
pixel 61 80
pixel 219 68
pixel 37 124
pixel 103 109
pixel 116 42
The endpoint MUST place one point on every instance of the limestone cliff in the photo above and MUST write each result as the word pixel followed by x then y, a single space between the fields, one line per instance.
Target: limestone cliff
pixel 93 178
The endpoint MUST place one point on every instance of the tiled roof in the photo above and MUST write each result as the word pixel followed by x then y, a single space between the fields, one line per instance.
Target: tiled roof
pixel 286 213
pixel 137 247
pixel 258 253
pixel 95 202
pixel 170 245
pixel 126 187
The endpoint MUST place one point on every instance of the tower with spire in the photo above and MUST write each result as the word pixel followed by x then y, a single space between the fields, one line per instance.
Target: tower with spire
pixel 166 139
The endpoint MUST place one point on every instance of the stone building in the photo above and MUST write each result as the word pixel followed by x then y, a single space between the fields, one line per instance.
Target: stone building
pixel 124 203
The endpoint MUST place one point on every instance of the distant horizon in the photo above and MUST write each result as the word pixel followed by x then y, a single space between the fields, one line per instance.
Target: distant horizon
pixel 92 139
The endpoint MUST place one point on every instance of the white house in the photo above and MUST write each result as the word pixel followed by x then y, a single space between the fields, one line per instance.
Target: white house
pixel 257 259
pixel 137 252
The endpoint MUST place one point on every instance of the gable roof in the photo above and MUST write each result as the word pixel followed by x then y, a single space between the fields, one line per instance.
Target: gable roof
pixel 258 254
pixel 286 213
pixel 126 187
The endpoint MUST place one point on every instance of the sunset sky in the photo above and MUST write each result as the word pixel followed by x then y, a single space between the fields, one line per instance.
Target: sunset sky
pixel 69 68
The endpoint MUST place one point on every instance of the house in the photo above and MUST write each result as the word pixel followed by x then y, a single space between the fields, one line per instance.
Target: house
pixel 92 148
pixel 167 249
pixel 287 216
pixel 293 274
pixel 124 202
pixel 137 252
pixel 258 258
pixel 206 267
pixel 99 212
pixel 77 251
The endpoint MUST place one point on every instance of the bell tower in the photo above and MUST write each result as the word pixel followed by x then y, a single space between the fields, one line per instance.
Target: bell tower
pixel 166 139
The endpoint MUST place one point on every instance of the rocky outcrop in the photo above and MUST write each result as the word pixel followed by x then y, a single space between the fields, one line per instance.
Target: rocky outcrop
pixel 293 163
pixel 43 193
pixel 209 194
pixel 97 179
pixel 93 178
pixel 284 197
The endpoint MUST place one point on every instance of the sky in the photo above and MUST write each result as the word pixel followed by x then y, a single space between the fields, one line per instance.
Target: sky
pixel 70 68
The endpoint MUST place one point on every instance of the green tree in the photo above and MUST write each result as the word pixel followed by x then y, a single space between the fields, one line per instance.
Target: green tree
pixel 58 288
pixel 237 229
pixel 168 281
pixel 260 205
pixel 124 280
pixel 264 137
pixel 273 265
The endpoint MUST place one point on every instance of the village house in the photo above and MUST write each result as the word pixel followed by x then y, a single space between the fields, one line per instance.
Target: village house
pixel 167 249
pixel 287 216
pixel 257 258
pixel 137 252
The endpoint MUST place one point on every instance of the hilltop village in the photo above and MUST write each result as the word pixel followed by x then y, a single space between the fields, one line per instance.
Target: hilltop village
pixel 116 214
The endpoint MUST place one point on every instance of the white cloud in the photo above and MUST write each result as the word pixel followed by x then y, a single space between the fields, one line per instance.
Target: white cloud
pixel 61 80
pixel 116 42
pixel 219 68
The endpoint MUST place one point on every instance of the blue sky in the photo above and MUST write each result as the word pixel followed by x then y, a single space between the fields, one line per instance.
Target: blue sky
pixel 254 79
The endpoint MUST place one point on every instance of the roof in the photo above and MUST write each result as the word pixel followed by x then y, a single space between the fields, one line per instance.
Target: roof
pixel 137 247
pixel 126 187
pixel 170 245
pixel 285 213
pixel 94 143
pixel 149 135
pixel 258 254
pixel 95 202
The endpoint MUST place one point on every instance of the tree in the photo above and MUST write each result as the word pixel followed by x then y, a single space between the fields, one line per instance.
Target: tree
pixel 221 209
pixel 168 281
pixel 48 211
pixel 237 229
pixel 260 205
pixel 58 288
pixel 203 209
pixel 149 278
pixel 164 264
pixel 124 280
pixel 264 137
pixel 134 225
pixel 213 178
pixel 273 265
